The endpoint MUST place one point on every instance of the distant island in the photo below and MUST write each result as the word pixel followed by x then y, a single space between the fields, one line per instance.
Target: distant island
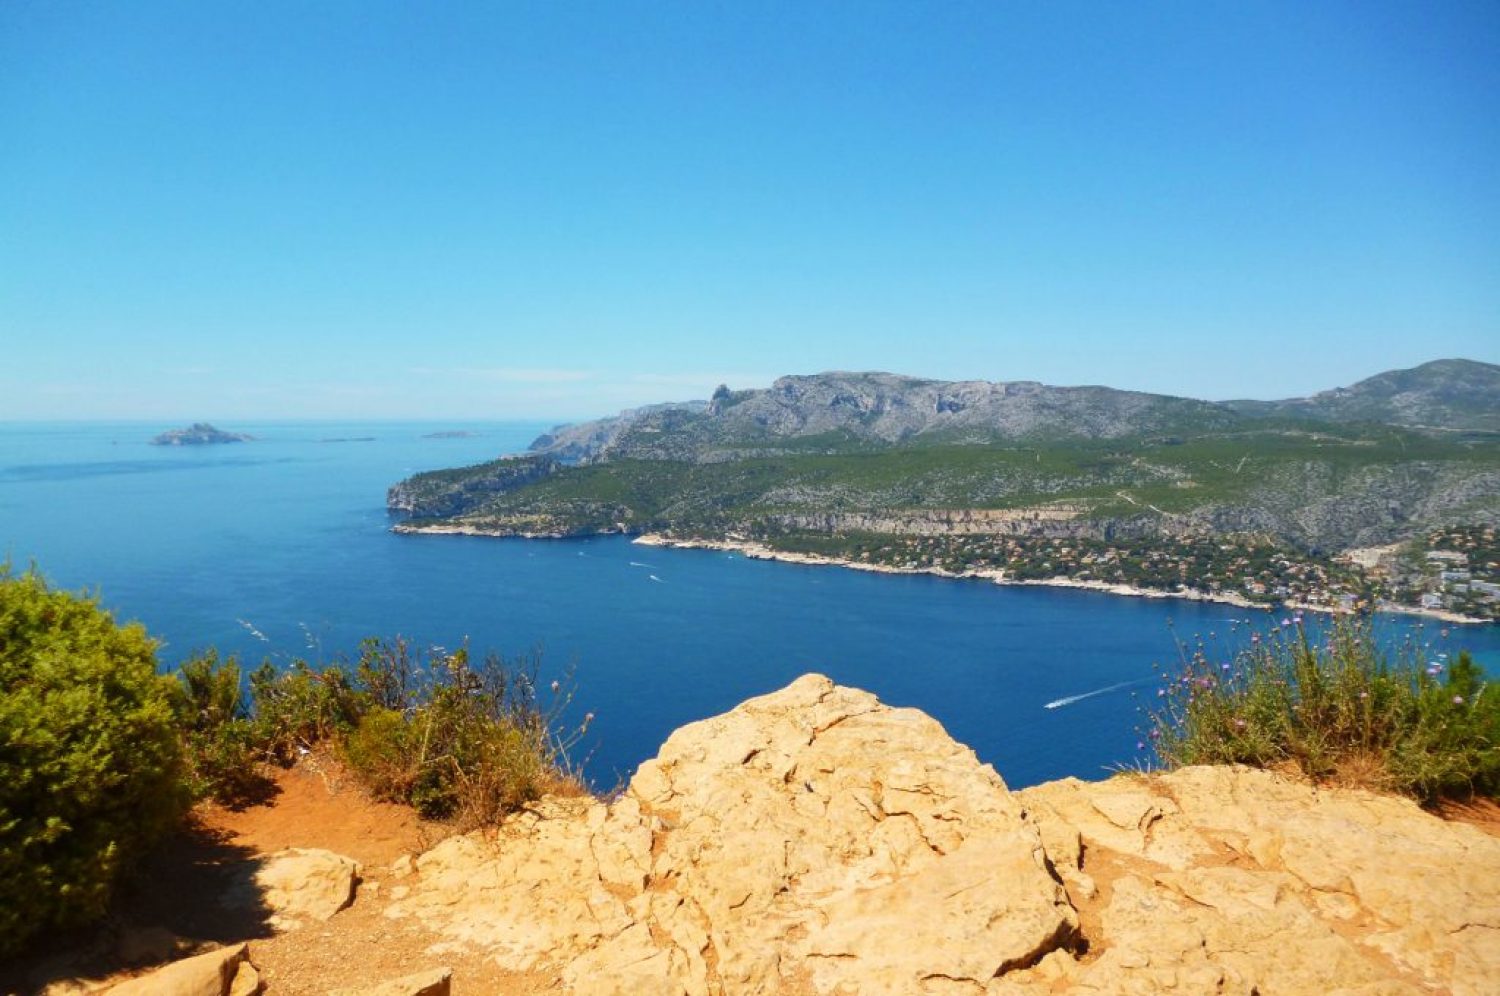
pixel 451 434
pixel 199 434
pixel 1382 494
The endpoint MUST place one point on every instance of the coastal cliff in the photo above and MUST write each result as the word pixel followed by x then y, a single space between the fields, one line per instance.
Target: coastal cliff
pixel 815 840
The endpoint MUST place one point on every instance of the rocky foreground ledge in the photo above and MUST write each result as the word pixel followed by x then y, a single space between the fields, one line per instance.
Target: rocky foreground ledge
pixel 815 841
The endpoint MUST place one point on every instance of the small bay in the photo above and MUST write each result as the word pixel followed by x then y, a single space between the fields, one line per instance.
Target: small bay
pixel 281 547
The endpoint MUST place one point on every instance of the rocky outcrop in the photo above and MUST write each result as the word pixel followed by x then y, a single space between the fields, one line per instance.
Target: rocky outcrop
pixel 1240 881
pixel 809 838
pixel 814 840
pixel 453 492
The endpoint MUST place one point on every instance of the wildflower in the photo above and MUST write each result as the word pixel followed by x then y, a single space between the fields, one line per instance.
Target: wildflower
pixel 1364 695
pixel 1239 724
pixel 1458 700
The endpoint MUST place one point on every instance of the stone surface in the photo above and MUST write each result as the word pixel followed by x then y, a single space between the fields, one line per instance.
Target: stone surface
pixel 433 983
pixel 296 885
pixel 208 974
pixel 812 838
pixel 1234 880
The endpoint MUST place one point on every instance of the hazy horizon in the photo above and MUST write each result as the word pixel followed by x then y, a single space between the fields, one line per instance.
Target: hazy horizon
pixel 179 419
pixel 374 210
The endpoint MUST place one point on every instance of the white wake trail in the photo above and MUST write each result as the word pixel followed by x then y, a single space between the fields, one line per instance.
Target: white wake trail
pixel 1070 699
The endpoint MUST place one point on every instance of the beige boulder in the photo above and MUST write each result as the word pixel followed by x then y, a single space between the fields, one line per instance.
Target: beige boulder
pixel 296 885
pixel 208 974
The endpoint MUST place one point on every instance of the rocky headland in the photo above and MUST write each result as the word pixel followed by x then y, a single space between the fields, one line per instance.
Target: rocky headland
pixel 816 841
pixel 1261 501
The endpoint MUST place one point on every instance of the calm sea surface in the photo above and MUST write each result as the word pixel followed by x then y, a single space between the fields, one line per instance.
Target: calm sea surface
pixel 281 548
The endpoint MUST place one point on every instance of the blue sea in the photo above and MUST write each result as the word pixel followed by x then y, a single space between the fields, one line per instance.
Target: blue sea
pixel 282 548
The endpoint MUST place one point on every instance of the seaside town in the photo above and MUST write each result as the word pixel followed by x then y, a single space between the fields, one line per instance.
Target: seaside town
pixel 1450 573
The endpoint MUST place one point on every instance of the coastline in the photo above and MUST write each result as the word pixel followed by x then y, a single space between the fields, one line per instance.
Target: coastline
pixel 759 551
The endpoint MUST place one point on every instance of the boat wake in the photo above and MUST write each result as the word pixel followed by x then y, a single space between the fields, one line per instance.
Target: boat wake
pixel 637 563
pixel 253 631
pixel 1070 699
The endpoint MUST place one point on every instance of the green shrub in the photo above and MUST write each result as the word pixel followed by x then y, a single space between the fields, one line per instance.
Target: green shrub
pixel 380 751
pixel 223 748
pixel 91 767
pixel 296 708
pixel 455 739
pixel 1337 706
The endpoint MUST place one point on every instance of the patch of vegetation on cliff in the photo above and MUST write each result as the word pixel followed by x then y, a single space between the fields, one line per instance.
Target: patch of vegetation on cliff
pixel 1338 707
pixel 1313 487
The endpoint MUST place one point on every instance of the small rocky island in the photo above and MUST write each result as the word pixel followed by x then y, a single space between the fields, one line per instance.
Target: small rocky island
pixel 199 434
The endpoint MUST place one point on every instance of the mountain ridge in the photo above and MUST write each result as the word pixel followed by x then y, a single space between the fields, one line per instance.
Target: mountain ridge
pixel 876 408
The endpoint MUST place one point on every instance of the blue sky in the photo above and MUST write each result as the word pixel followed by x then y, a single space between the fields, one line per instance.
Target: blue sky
pixel 220 210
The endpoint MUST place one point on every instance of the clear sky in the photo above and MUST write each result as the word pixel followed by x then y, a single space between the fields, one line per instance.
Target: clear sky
pixel 256 209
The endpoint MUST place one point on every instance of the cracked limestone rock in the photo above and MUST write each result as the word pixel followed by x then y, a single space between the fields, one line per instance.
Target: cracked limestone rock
pixel 816 841
pixel 808 840
pixel 1233 880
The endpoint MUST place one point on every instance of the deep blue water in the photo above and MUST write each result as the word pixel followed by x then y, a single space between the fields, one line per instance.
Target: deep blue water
pixel 288 536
